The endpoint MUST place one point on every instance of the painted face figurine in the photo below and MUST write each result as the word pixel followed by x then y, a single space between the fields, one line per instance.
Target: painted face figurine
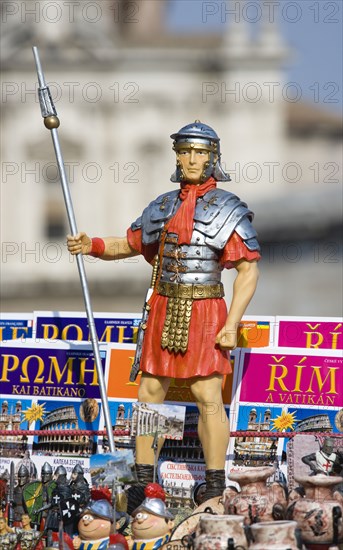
pixel 152 522
pixel 8 536
pixel 95 526
pixel 29 539
pixel 196 231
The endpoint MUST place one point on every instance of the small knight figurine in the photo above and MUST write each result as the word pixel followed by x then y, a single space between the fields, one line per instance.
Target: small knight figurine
pixel 326 460
pixel 79 486
pixel 23 479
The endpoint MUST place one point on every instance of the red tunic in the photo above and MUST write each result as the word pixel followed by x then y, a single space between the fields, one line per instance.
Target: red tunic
pixel 203 356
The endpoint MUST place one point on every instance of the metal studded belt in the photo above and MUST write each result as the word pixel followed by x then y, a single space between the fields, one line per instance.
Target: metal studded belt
pixel 190 292
pixel 175 332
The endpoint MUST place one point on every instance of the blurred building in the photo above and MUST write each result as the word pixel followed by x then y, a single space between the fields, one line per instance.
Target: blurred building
pixel 315 423
pixel 256 451
pixel 11 445
pixel 122 83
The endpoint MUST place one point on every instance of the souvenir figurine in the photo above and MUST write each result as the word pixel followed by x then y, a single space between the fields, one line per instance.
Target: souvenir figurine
pixel 37 496
pixel 152 522
pixel 195 231
pixel 4 491
pixel 29 538
pixel 79 486
pixel 18 505
pixel 61 508
pixel 95 526
pixel 9 537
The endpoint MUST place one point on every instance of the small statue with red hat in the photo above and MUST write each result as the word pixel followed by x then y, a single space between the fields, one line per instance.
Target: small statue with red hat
pixel 96 529
pixel 152 522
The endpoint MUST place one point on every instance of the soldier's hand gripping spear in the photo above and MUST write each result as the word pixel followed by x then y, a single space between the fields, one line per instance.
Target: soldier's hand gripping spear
pixel 52 122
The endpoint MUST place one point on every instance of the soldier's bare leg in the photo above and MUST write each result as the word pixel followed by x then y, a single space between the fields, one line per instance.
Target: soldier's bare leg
pixel 152 389
pixel 213 426
pixel 213 430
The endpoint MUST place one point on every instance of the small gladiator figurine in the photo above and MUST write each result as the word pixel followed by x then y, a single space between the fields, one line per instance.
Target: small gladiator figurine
pixel 9 537
pixel 196 231
pixel 29 538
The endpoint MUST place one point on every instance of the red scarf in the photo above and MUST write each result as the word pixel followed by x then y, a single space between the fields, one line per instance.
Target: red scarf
pixel 182 222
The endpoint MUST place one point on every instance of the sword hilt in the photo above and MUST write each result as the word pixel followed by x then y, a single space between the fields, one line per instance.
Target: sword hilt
pixel 154 271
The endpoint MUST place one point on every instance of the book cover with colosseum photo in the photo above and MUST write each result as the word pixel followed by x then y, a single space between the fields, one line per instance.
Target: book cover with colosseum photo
pixel 80 418
pixel 283 390
pixel 49 388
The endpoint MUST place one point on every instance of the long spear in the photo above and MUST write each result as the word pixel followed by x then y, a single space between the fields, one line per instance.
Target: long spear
pixel 51 122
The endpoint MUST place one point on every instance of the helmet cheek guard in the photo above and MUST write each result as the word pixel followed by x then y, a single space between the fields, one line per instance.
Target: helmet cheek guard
pixel 178 174
pixel 199 136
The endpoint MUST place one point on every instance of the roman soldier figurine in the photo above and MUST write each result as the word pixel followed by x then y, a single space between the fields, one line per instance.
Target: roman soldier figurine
pixel 30 539
pixel 196 231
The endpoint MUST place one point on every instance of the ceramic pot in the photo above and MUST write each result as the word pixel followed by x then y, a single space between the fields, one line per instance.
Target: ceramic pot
pixel 319 512
pixel 275 535
pixel 213 533
pixel 256 501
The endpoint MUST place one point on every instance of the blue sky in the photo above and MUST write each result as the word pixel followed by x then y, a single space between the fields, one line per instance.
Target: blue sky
pixel 56 404
pixel 311 29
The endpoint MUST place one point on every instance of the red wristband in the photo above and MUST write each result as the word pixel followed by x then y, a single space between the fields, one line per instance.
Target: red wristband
pixel 98 247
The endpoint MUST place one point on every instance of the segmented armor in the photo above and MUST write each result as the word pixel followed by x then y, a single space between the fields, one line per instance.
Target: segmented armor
pixel 193 271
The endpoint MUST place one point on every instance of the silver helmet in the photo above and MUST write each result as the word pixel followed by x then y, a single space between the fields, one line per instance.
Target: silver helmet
pixel 154 506
pixel 201 136
pixel 46 468
pixel 78 469
pixel 23 475
pixel 46 472
pixel 60 471
pixel 100 508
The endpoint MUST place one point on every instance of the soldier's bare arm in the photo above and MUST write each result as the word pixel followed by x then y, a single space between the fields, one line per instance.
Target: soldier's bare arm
pixel 243 290
pixel 115 248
